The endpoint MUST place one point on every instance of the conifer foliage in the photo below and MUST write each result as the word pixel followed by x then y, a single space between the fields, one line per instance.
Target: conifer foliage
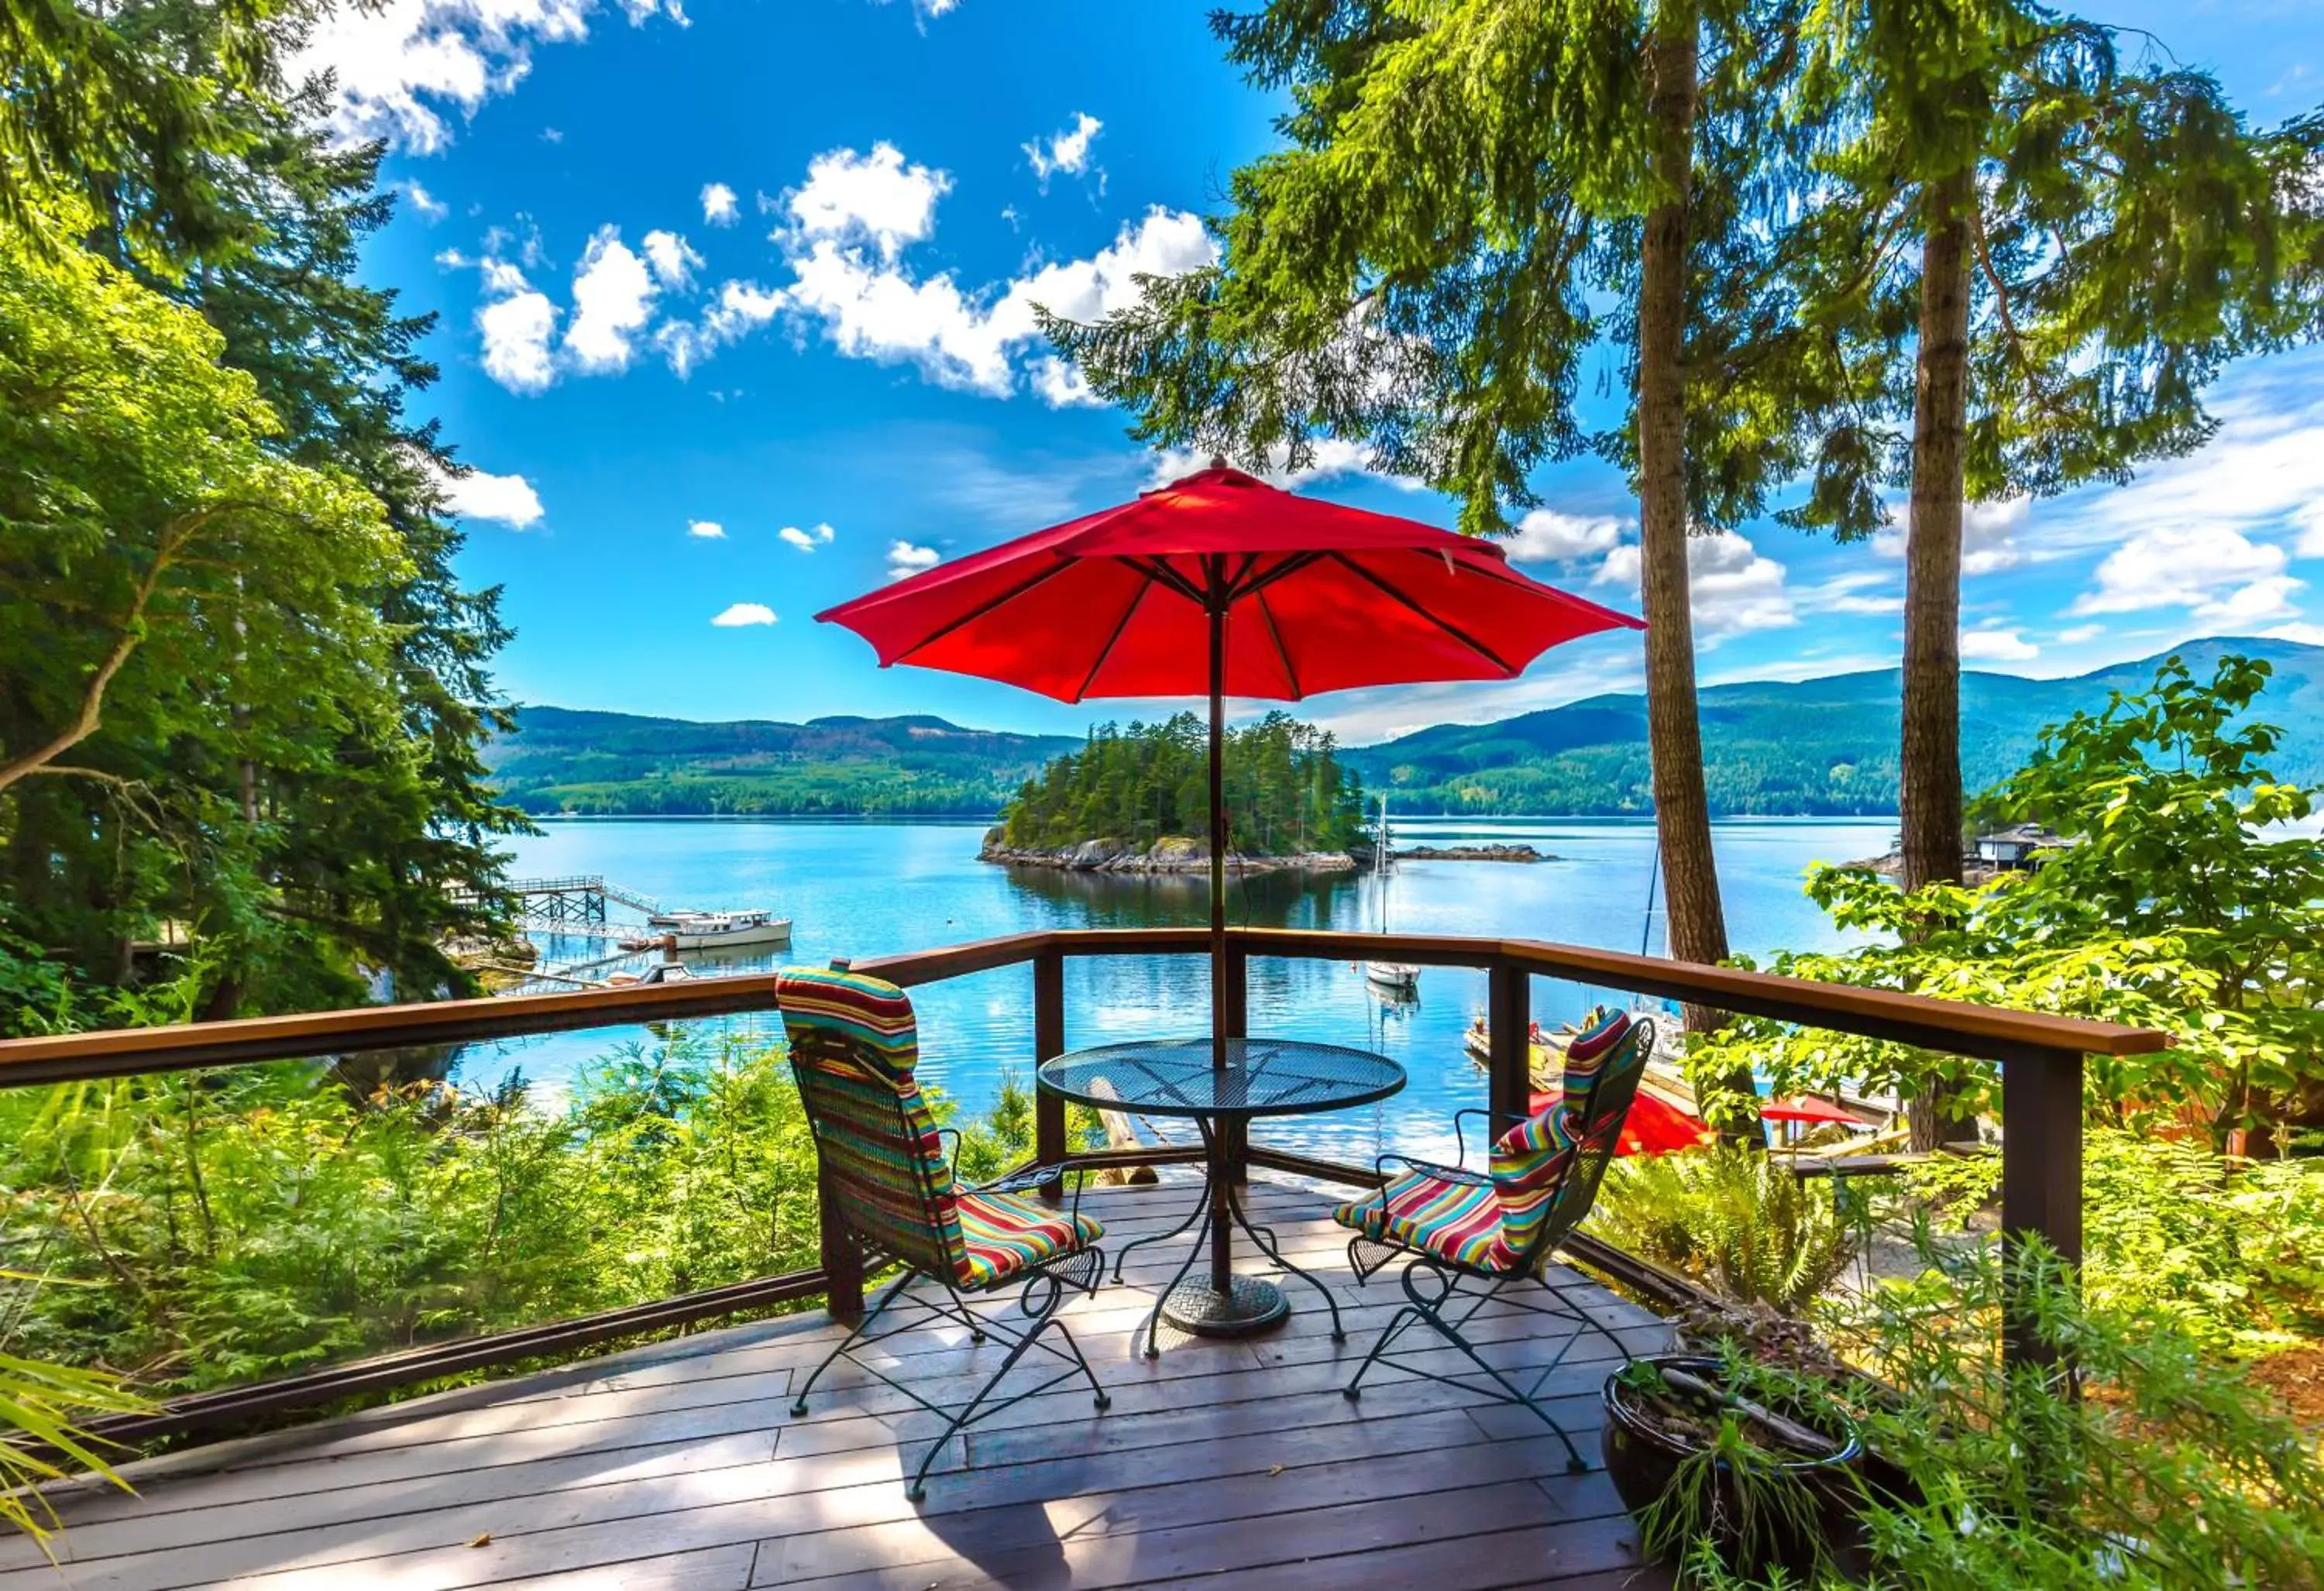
pixel 1286 790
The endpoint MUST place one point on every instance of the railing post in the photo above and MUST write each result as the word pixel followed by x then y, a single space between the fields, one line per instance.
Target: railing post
pixel 1048 1043
pixel 842 1261
pixel 1235 995
pixel 1508 1003
pixel 2041 1181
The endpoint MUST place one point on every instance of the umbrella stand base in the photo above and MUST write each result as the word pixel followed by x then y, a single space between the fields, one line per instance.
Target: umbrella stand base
pixel 1248 1307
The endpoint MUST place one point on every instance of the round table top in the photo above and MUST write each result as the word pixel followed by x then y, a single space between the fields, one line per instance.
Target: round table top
pixel 1262 1077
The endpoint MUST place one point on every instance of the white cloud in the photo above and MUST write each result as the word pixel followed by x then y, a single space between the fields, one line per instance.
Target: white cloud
pixel 741 613
pixel 673 259
pixel 427 206
pixel 741 308
pixel 1067 151
pixel 1852 593
pixel 2263 601
pixel 924 11
pixel 400 68
pixel 807 541
pixel 1329 458
pixel 850 197
pixel 2078 634
pixel 1548 536
pixel 718 206
pixel 1732 586
pixel 1995 645
pixel 872 309
pixel 2309 635
pixel 905 559
pixel 707 530
pixel 506 500
pixel 1060 385
pixel 612 296
pixel 2225 577
pixel 516 323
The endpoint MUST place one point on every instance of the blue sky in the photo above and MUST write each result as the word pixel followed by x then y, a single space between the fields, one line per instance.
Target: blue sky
pixel 734 325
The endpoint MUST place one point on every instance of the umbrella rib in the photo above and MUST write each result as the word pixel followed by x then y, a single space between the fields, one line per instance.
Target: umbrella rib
pixel 1275 635
pixel 1155 570
pixel 1119 625
pixel 1511 578
pixel 1455 631
pixel 1289 565
pixel 981 609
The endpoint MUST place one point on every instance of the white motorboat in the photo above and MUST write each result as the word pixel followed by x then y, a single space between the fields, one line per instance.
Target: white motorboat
pixel 1393 977
pixel 701 930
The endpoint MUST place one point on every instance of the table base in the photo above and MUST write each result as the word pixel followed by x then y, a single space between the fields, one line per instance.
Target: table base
pixel 1248 1307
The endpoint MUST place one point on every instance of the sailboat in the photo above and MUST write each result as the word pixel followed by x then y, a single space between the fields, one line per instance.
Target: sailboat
pixel 1400 979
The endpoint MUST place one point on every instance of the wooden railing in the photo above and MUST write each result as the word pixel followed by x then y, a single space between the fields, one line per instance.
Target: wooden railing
pixel 2040 1056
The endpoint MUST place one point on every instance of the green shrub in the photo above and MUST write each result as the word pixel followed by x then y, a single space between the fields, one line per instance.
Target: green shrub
pixel 2160 1470
pixel 1734 1219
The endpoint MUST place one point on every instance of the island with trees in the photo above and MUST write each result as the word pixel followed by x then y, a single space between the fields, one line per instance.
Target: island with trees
pixel 1138 800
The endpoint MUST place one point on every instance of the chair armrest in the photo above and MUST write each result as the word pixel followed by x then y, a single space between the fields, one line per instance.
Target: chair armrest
pixel 1461 1140
pixel 1026 1179
pixel 952 1159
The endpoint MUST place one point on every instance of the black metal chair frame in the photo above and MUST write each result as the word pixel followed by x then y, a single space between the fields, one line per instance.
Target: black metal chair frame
pixel 1434 1291
pixel 1044 1292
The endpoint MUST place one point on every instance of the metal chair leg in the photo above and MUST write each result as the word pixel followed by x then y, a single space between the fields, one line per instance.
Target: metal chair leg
pixel 895 1290
pixel 1044 1316
pixel 1404 1316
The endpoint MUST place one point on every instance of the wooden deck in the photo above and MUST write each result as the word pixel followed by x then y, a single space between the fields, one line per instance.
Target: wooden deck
pixel 678 1466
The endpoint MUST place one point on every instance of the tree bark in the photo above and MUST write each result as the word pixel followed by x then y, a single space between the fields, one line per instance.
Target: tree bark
pixel 1698 925
pixel 1931 802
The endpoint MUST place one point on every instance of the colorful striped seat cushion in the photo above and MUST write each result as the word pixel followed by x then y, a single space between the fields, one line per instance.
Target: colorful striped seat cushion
pixel 1529 1164
pixel 1003 1234
pixel 1456 1220
pixel 1601 1037
pixel 871 1016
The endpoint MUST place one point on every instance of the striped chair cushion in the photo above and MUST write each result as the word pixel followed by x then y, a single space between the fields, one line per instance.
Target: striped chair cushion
pixel 853 1048
pixel 1005 1233
pixel 1602 1033
pixel 1456 1221
pixel 1529 1163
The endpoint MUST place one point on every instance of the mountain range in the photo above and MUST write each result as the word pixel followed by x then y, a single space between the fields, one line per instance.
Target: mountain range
pixel 1818 747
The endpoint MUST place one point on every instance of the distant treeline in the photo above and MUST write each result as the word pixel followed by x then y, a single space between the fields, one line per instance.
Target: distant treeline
pixel 1287 789
pixel 807 794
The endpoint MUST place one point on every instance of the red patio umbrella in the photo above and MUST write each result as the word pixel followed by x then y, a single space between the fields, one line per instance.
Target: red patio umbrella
pixel 1221 583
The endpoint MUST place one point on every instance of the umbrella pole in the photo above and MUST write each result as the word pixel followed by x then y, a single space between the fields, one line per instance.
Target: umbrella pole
pixel 1218 835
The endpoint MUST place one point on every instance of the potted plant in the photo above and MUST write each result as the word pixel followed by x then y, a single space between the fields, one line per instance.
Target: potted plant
pixel 1741 1450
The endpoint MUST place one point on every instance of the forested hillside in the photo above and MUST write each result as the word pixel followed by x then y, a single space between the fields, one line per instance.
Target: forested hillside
pixel 558 760
pixel 1287 789
pixel 1821 747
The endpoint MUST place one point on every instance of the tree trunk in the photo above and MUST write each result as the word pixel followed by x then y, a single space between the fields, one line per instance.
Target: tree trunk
pixel 1930 755
pixel 1698 927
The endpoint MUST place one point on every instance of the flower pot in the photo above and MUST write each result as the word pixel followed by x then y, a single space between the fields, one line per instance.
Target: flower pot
pixel 1825 1525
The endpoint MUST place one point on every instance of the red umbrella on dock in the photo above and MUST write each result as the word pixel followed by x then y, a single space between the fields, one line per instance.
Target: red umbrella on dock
pixel 1219 584
pixel 1808 1108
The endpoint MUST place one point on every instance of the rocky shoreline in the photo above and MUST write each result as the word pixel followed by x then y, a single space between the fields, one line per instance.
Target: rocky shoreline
pixel 1172 855
pixel 1485 853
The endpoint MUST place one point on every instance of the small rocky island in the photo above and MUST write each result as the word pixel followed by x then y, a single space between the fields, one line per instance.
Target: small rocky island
pixel 1486 853
pixel 1170 854
pixel 1138 800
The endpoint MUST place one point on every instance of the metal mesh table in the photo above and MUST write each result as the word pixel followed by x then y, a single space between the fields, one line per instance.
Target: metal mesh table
pixel 1221 1093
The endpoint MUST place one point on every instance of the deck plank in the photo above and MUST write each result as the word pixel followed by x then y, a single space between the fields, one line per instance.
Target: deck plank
pixel 678 1466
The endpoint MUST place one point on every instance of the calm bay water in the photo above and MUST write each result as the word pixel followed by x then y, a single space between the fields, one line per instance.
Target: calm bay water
pixel 859 889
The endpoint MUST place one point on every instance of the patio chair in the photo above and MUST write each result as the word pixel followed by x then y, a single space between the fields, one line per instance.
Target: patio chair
pixel 853 1046
pixel 1472 1238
